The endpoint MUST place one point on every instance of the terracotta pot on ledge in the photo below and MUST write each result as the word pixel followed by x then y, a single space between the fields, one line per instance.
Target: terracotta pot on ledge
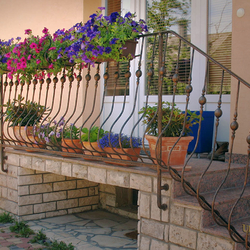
pixel 178 154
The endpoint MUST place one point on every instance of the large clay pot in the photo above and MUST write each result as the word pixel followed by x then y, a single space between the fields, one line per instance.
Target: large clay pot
pixel 118 153
pixel 72 146
pixel 179 152
pixel 21 133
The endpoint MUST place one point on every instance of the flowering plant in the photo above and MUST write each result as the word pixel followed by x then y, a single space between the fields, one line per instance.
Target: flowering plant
pixel 71 132
pixel 101 37
pixel 35 55
pixel 104 37
pixel 50 132
pixel 119 141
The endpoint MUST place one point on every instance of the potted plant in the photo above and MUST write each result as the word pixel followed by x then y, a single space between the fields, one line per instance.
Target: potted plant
pixel 172 131
pixel 22 116
pixel 120 146
pixel 89 140
pixel 70 139
pixel 35 55
pixel 103 38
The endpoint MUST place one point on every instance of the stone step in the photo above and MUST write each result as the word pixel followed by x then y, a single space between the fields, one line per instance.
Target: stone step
pixel 241 226
pixel 213 177
pixel 223 203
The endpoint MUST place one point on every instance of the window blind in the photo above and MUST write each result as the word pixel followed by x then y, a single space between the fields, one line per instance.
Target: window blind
pixel 115 6
pixel 219 44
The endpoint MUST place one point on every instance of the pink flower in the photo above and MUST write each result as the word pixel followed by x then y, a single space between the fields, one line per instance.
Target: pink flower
pixel 8 54
pixel 23 60
pixel 52 48
pixel 33 46
pixel 37 50
pixel 15 50
pixel 10 76
pixel 18 66
pixel 9 63
pixel 38 61
pixel 28 32
pixel 18 53
pixel 51 66
pixel 45 30
pixel 29 57
pixel 24 65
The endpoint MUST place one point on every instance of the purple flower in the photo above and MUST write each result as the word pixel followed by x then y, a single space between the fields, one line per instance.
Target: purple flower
pixel 113 17
pixel 108 50
pixel 101 8
pixel 113 41
pixel 128 15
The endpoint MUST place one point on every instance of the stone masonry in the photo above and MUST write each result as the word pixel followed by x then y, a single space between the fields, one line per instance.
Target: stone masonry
pixel 39 185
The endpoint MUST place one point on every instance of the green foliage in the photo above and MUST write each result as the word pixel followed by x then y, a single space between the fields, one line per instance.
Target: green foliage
pixel 40 238
pixel 71 132
pixel 22 229
pixel 93 134
pixel 23 113
pixel 55 245
pixel 6 218
pixel 164 14
pixel 173 123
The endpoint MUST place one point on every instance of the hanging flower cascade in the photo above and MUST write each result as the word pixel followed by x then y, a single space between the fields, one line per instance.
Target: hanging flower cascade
pixel 100 37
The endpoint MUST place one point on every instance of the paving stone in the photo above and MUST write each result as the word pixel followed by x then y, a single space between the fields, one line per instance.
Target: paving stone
pixel 109 241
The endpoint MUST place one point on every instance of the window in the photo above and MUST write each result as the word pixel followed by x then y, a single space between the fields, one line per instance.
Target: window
pixel 115 6
pixel 163 15
pixel 219 43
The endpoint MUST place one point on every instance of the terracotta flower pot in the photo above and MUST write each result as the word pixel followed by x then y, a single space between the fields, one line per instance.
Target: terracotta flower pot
pixel 132 154
pixel 92 149
pixel 21 133
pixel 36 143
pixel 178 154
pixel 72 146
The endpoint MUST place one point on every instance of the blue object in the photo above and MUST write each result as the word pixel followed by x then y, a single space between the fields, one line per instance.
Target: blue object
pixel 206 133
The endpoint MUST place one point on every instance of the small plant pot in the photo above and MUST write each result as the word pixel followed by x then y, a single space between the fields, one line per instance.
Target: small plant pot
pixel 178 154
pixel 92 149
pixel 36 143
pixel 71 146
pixel 126 154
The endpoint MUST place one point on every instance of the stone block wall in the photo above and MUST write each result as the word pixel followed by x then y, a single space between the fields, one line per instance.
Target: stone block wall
pixel 177 228
pixel 34 194
pixel 39 186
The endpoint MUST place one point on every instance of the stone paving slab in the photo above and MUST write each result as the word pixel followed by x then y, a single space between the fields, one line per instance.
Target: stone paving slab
pixel 93 230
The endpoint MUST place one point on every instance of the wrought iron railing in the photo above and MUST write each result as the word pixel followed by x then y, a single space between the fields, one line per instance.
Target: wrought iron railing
pixel 49 109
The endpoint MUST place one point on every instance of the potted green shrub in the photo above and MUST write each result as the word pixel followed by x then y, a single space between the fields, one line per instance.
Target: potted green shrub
pixel 22 116
pixel 120 146
pixel 172 131
pixel 70 139
pixel 90 139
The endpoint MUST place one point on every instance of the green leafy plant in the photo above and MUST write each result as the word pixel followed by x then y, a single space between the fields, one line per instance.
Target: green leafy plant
pixel 40 238
pixel 6 218
pixel 22 229
pixel 55 245
pixel 71 132
pixel 23 113
pixel 92 135
pixel 176 120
